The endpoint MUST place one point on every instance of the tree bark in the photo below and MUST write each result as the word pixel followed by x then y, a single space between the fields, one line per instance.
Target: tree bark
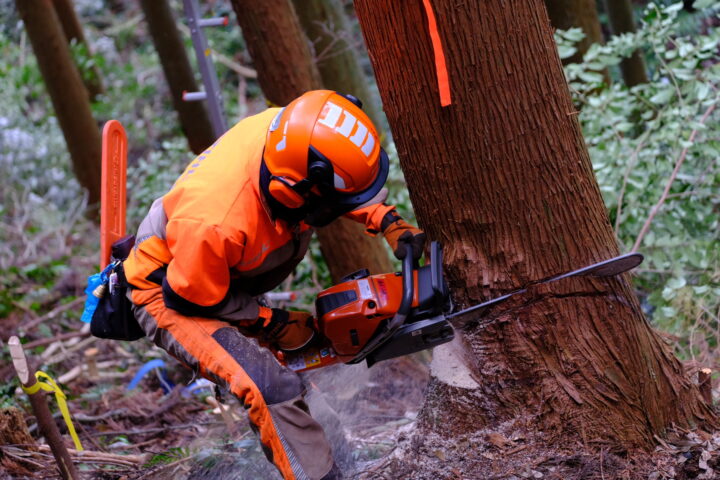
pixel 620 13
pixel 328 29
pixel 285 68
pixel 193 116
pixel 67 92
pixel 73 31
pixel 503 179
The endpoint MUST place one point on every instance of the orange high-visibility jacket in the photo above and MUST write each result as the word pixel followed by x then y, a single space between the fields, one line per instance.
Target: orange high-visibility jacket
pixel 211 242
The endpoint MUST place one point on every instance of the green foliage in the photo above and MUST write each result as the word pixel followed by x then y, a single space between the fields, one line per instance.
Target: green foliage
pixel 172 455
pixel 637 137
pixel 41 203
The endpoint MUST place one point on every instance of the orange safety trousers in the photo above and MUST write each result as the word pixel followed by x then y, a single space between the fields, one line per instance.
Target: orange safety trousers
pixel 272 393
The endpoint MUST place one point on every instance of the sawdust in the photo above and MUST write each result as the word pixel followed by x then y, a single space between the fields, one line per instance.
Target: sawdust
pixel 448 366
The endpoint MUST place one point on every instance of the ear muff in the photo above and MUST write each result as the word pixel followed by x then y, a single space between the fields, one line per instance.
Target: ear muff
pixel 282 191
pixel 320 171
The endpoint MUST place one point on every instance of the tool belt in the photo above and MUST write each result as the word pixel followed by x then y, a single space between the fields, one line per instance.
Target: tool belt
pixel 113 318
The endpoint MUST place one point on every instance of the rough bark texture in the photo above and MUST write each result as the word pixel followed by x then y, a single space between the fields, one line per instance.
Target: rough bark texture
pixel 279 49
pixel 68 94
pixel 328 29
pixel 503 179
pixel 620 13
pixel 73 32
pixel 282 58
pixel 179 75
pixel 13 430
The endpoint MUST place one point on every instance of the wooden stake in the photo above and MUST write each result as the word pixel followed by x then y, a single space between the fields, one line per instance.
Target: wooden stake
pixel 42 412
pixel 92 369
pixel 705 384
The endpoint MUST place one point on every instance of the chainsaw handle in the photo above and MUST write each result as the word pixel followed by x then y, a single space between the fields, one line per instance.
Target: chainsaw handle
pixel 402 313
pixel 408 289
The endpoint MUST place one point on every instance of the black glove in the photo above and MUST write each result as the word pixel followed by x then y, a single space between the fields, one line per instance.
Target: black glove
pixel 399 233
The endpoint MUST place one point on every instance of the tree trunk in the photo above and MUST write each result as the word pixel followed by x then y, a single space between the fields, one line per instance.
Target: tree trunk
pixel 285 68
pixel 73 31
pixel 620 13
pixel 67 92
pixel 328 29
pixel 503 179
pixel 194 119
pixel 566 14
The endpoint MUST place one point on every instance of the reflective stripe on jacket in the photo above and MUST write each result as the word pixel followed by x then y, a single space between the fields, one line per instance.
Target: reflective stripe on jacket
pixel 210 241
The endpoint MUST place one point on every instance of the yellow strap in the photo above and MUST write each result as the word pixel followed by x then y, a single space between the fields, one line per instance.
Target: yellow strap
pixel 50 386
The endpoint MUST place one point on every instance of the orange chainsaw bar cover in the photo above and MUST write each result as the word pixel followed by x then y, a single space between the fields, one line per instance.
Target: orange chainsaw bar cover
pixel 113 195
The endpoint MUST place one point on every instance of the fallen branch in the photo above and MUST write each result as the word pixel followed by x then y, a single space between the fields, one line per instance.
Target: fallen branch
pixel 670 181
pixel 57 338
pixel 52 314
pixel 119 412
pixel 156 429
pixel 85 342
pixel 82 456
pixel 246 72
pixel 88 456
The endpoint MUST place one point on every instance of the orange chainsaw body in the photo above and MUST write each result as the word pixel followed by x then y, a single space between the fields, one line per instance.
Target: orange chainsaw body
pixel 350 312
pixel 377 317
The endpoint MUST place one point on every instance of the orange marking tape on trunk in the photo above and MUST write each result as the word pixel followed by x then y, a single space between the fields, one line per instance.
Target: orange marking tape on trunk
pixel 440 66
pixel 114 185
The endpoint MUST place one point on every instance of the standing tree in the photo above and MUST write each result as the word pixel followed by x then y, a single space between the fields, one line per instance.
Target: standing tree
pixel 285 69
pixel 503 179
pixel 193 116
pixel 566 14
pixel 74 33
pixel 328 29
pixel 620 13
pixel 67 92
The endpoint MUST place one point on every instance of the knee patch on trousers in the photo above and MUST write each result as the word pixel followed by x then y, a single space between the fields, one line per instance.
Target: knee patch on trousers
pixel 276 383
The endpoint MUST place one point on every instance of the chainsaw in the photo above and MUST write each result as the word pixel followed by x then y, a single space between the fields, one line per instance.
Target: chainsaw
pixel 377 317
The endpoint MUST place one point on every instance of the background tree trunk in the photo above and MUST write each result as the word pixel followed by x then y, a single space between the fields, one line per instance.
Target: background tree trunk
pixel 67 92
pixel 179 75
pixel 620 13
pixel 73 31
pixel 503 179
pixel 566 14
pixel 285 68
pixel 328 29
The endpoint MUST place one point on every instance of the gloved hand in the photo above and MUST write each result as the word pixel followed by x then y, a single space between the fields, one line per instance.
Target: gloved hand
pixel 288 330
pixel 398 233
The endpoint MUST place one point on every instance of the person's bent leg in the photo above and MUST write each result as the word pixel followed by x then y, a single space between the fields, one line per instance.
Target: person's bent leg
pixel 273 394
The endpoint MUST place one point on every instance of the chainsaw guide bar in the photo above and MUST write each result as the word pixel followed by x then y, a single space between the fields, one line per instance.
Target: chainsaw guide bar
pixel 377 317
pixel 606 268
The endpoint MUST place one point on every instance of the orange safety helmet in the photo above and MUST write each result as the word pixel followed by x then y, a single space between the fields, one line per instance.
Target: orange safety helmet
pixel 322 158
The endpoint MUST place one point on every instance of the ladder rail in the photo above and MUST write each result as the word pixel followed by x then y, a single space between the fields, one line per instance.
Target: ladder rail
pixel 213 94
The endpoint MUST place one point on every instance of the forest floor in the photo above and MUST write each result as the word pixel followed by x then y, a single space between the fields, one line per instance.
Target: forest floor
pixel 155 431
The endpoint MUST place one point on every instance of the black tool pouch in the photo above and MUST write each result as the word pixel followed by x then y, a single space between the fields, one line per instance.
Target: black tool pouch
pixel 113 317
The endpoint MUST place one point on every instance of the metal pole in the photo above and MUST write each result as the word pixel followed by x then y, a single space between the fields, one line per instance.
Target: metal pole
pixel 207 70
